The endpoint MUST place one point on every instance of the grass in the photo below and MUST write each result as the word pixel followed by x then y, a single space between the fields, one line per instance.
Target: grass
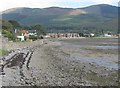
pixel 62 19
pixel 3 52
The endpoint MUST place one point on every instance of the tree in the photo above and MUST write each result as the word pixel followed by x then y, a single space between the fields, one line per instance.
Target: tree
pixel 39 29
pixel 6 25
pixel 8 34
pixel 33 37
pixel 14 23
pixel 26 27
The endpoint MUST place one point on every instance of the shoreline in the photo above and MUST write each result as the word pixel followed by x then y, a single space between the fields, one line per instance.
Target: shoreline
pixel 53 64
pixel 20 45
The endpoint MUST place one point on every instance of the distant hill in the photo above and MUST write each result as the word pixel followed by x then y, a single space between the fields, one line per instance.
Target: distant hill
pixel 92 18
pixel 103 9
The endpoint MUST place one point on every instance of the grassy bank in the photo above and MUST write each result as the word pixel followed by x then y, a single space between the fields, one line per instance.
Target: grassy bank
pixel 3 52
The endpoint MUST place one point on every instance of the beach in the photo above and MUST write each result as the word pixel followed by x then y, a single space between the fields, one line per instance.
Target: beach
pixel 64 62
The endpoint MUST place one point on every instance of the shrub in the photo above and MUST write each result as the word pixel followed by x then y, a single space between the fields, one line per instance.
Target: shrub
pixel 32 37
pixel 8 34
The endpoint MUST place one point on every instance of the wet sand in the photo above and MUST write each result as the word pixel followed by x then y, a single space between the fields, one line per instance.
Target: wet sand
pixel 58 63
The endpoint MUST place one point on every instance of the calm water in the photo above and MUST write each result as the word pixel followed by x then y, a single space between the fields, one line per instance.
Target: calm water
pixel 93 46
pixel 103 62
pixel 107 47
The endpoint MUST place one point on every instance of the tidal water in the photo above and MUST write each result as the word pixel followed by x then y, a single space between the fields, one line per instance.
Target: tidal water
pixel 103 62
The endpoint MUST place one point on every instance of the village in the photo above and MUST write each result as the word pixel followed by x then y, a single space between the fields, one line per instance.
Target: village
pixel 59 43
pixel 51 61
pixel 32 35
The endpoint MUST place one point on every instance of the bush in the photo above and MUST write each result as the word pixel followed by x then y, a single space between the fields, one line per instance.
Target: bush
pixel 32 37
pixel 8 34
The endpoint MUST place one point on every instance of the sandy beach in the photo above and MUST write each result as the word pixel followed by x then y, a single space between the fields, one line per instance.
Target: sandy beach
pixel 64 62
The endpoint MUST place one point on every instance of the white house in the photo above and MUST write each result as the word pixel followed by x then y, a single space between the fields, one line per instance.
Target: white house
pixel 92 35
pixel 22 38
pixel 32 32
pixel 0 34
pixel 107 35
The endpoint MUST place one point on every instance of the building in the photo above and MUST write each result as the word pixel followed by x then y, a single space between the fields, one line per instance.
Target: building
pixel 32 32
pixel 22 38
pixel 0 34
pixel 23 34
pixel 92 35
pixel 107 35
pixel 62 35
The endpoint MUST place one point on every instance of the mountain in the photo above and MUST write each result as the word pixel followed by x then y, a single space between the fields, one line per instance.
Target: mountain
pixel 88 18
pixel 102 9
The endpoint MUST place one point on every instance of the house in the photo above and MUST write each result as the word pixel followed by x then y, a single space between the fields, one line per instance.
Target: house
pixel 32 32
pixel 62 35
pixel 22 38
pixel 0 34
pixel 92 35
pixel 86 35
pixel 22 34
pixel 107 35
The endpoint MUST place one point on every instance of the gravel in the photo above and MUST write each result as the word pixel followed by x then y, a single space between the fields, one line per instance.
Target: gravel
pixel 49 63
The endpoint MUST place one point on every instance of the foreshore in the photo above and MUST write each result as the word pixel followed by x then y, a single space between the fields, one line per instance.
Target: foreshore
pixel 53 63
pixel 15 45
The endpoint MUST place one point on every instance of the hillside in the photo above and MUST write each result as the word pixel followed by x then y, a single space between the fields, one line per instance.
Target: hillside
pixel 90 18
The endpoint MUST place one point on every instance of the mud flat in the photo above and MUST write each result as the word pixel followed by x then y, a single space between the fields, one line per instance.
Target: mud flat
pixel 63 63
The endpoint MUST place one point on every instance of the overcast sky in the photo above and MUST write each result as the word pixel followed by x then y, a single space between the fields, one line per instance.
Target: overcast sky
pixel 7 4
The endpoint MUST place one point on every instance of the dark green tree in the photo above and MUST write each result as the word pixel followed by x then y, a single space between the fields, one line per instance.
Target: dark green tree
pixel 14 23
pixel 6 25
pixel 39 29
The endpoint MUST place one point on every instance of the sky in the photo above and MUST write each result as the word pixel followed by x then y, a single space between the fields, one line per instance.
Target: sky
pixel 7 4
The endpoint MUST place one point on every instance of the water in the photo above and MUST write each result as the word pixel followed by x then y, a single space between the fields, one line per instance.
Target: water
pixel 100 61
pixel 93 46
pixel 107 47
pixel 71 44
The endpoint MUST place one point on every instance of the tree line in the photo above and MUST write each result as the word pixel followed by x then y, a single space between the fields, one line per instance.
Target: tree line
pixel 8 28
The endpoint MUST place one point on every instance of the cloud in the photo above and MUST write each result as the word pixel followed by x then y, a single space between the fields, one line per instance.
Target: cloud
pixel 6 4
pixel 114 2
pixel 103 1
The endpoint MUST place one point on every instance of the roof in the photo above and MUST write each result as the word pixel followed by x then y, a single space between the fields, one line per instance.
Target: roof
pixel 23 31
pixel 31 31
